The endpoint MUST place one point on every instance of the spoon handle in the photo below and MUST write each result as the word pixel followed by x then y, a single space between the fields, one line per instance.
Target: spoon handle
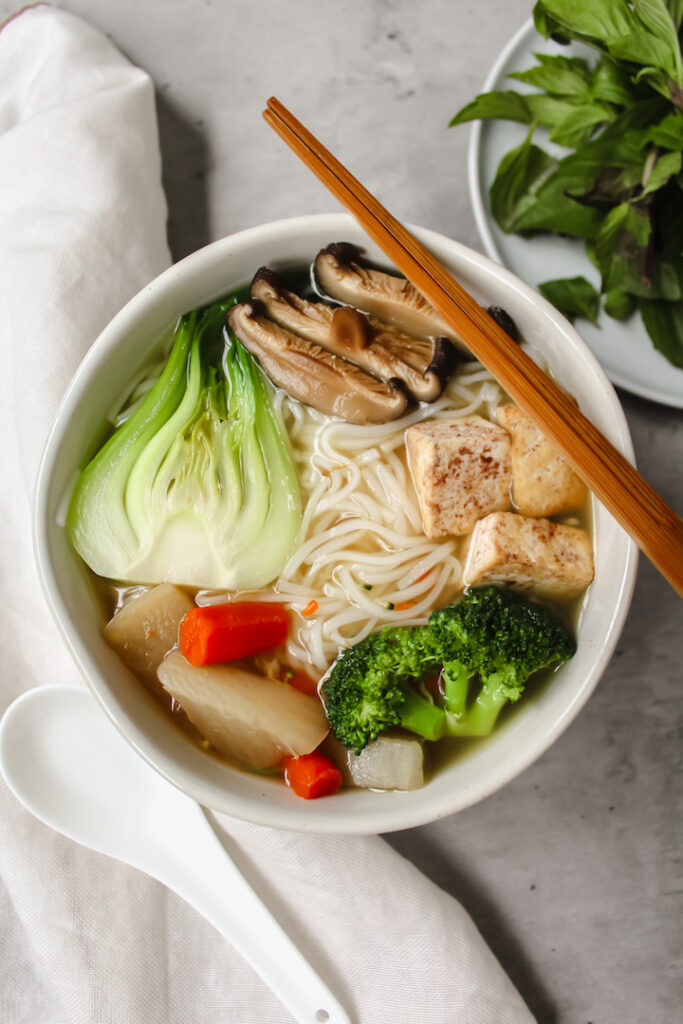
pixel 207 879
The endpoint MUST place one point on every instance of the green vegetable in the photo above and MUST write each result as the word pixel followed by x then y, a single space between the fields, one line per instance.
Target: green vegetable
pixel 498 639
pixel 619 305
pixel 620 188
pixel 487 646
pixel 573 296
pixel 370 687
pixel 198 486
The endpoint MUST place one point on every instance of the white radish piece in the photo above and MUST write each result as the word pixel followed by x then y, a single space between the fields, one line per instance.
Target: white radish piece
pixel 248 717
pixel 390 762
pixel 146 629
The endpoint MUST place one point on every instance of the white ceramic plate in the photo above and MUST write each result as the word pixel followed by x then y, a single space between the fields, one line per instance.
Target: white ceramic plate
pixel 624 349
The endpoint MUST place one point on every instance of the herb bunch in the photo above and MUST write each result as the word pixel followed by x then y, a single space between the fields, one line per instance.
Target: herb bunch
pixel 621 186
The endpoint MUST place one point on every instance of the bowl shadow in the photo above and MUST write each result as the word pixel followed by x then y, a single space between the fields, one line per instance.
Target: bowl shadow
pixel 184 161
pixel 496 931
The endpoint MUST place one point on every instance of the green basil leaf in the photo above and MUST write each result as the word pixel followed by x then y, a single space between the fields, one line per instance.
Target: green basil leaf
pixel 666 280
pixel 656 79
pixel 655 16
pixel 529 194
pixel 519 174
pixel 641 115
pixel 573 296
pixel 666 165
pixel 577 126
pixel 619 305
pixel 505 106
pixel 547 26
pixel 669 132
pixel 600 174
pixel 612 83
pixel 676 12
pixel 557 75
pixel 614 26
pixel 664 323
pixel 622 248
pixel 548 110
pixel 590 252
pixel 600 21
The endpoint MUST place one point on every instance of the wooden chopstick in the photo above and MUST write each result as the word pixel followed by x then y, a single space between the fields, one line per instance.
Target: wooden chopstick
pixel 645 516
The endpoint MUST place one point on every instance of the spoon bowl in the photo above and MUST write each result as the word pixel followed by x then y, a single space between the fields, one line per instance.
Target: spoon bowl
pixel 73 771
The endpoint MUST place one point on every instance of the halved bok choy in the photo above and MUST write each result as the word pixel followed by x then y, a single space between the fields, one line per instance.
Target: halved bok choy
pixel 198 486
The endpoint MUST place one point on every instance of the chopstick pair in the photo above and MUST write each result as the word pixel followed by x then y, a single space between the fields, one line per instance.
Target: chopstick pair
pixel 640 510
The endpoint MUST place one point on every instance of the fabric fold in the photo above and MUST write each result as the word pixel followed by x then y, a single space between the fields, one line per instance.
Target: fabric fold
pixel 87 940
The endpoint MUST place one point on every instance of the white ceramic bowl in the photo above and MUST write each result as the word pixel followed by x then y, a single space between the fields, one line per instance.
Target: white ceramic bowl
pixel 110 367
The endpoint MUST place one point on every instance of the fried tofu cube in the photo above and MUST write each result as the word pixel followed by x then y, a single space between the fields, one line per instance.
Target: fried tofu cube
pixel 529 554
pixel 461 471
pixel 543 482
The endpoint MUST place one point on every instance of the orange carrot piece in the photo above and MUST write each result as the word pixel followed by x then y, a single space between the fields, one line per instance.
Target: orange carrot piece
pixel 403 606
pixel 224 632
pixel 310 609
pixel 312 775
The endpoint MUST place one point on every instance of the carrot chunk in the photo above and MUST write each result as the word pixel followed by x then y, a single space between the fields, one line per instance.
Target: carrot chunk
pixel 312 775
pixel 224 632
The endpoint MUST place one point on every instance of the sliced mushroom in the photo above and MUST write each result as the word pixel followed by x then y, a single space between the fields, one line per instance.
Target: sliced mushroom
pixel 340 273
pixel 313 375
pixel 382 350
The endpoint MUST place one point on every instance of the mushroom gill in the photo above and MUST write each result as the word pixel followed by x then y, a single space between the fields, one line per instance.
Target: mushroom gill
pixel 313 375
pixel 376 347
pixel 341 274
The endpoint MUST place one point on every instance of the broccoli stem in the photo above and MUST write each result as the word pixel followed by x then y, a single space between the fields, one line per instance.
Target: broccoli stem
pixel 456 680
pixel 482 716
pixel 422 717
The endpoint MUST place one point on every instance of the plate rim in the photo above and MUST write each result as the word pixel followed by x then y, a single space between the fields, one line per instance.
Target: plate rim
pixel 482 220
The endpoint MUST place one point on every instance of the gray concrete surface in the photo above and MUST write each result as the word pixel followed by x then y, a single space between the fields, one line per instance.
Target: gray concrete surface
pixel 573 871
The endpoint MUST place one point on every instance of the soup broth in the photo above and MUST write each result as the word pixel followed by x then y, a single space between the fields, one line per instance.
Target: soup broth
pixel 362 561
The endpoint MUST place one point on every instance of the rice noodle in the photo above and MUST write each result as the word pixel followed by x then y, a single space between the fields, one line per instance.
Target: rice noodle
pixel 362 555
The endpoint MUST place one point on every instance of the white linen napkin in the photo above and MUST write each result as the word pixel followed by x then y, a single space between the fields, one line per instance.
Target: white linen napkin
pixel 86 940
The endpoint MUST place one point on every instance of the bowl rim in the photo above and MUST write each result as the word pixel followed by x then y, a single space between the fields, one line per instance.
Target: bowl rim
pixel 300 818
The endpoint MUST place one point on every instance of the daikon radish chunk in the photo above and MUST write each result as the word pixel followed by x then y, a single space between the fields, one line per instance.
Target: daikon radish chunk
pixel 146 628
pixel 390 762
pixel 250 718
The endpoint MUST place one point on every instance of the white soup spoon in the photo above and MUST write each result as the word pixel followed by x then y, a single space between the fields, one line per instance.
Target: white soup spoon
pixel 70 768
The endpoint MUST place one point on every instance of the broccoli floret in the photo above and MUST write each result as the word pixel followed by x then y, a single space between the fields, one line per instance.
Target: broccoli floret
pixel 499 638
pixel 370 688
pixel 492 640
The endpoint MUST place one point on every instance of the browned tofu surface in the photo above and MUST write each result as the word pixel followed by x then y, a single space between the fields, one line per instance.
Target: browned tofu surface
pixel 461 471
pixel 543 482
pixel 529 554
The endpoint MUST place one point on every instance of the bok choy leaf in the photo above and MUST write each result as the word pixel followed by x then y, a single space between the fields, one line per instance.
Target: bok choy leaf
pixel 198 486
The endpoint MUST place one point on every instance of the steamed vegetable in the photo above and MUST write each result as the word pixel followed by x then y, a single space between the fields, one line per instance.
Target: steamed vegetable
pixel 224 632
pixel 620 189
pixel 496 640
pixel 248 717
pixel 312 775
pixel 389 762
pixel 146 628
pixel 198 486
pixel 486 647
